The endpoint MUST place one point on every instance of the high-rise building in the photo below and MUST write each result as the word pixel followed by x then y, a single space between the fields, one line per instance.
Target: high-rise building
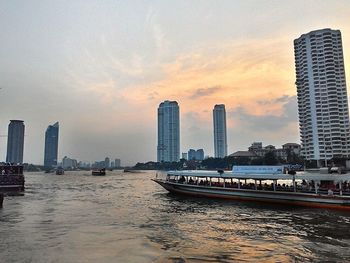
pixel 322 95
pixel 117 163
pixel 168 149
pixel 200 155
pixel 51 145
pixel 15 142
pixel 184 156
pixel 107 162
pixel 220 135
pixel 191 154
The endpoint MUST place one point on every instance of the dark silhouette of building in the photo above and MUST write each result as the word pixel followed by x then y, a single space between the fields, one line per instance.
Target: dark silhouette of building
pixel 15 142
pixel 51 145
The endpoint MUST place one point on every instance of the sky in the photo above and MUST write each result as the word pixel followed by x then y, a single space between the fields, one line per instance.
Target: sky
pixel 101 68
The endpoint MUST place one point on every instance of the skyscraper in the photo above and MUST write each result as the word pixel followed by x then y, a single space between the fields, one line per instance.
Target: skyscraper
pixel 322 95
pixel 168 149
pixel 51 145
pixel 220 136
pixel 15 142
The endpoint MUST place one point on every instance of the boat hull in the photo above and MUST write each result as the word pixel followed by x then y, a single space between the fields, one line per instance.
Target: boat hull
pixel 11 184
pixel 278 197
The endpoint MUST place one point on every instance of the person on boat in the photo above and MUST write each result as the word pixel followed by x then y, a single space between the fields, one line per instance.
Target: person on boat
pixel 330 192
pixel 182 179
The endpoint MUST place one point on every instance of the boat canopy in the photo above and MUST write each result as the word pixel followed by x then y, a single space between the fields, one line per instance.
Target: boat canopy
pixel 262 176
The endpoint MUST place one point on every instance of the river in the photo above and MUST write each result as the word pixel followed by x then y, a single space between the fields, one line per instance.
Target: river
pixel 125 217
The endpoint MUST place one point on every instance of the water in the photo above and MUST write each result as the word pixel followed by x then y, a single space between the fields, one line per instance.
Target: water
pixel 125 217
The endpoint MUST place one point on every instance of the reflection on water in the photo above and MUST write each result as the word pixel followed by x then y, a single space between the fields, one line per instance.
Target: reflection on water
pixel 128 218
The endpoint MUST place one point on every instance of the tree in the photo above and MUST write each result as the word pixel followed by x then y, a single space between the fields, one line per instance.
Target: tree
pixel 270 159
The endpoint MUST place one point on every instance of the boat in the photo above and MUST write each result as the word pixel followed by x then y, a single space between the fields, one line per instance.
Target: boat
pixel 11 179
pixel 273 184
pixel 59 171
pixel 99 172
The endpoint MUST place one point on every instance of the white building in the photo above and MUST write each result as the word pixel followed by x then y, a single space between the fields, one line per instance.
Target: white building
pixel 220 133
pixel 168 149
pixel 322 95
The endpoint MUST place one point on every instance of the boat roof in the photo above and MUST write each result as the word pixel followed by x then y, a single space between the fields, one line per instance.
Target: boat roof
pixel 262 176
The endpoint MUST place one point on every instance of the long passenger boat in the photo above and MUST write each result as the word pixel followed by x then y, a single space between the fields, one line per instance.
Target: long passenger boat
pixel 11 179
pixel 263 184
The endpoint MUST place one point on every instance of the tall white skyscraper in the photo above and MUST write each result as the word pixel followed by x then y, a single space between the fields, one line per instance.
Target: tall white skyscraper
pixel 220 136
pixel 168 149
pixel 322 95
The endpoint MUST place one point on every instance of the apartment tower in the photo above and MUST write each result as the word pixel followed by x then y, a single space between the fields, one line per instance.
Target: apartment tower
pixel 322 95
pixel 220 134
pixel 168 149
pixel 51 145
pixel 15 142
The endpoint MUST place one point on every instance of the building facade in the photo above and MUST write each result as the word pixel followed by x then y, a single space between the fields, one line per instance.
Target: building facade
pixel 191 154
pixel 220 133
pixel 168 148
pixel 15 142
pixel 200 155
pixel 117 163
pixel 322 95
pixel 51 145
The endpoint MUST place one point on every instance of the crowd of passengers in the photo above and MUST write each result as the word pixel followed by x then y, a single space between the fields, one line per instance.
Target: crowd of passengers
pixel 10 170
pixel 304 186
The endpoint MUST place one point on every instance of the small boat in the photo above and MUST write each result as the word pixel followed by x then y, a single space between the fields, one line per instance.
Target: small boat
pixel 271 184
pixel 99 172
pixel 59 171
pixel 11 179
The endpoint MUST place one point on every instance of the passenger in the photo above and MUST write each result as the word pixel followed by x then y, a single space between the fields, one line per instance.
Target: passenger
pixel 330 192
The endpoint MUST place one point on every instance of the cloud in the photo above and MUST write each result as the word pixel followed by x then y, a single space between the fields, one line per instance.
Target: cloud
pixel 199 93
pixel 268 122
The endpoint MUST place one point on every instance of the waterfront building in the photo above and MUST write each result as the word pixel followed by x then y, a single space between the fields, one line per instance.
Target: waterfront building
pixel 197 155
pixel 117 163
pixel 287 150
pixel 322 95
pixel 220 133
pixel 184 156
pixel 107 162
pixel 51 145
pixel 191 154
pixel 69 164
pixel 15 142
pixel 200 155
pixel 168 148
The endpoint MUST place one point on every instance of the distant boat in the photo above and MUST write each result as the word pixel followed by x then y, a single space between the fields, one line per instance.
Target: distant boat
pixel 99 172
pixel 59 171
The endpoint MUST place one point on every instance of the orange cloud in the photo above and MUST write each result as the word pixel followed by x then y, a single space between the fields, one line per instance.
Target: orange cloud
pixel 238 76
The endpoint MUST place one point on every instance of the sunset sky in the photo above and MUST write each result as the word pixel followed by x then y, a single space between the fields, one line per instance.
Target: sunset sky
pixel 101 68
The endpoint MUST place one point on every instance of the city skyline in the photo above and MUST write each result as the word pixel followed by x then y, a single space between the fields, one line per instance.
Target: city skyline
pixel 101 69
